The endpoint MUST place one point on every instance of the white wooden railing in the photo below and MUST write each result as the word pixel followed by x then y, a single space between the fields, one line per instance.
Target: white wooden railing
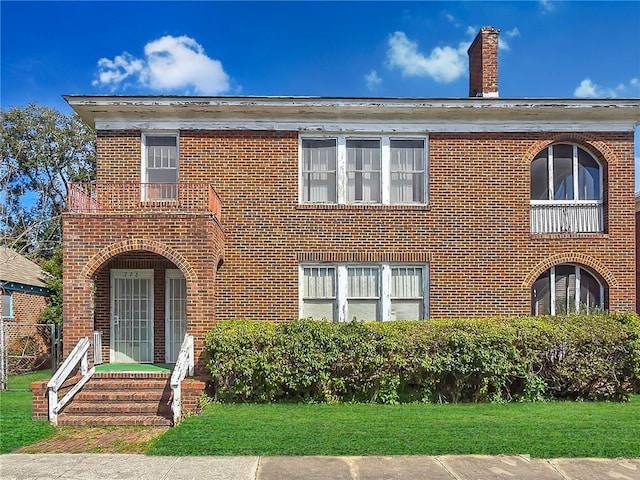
pixel 184 365
pixel 78 355
pixel 97 348
pixel 567 217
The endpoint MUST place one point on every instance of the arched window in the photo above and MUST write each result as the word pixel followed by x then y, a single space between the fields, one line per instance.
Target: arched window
pixel 566 289
pixel 566 191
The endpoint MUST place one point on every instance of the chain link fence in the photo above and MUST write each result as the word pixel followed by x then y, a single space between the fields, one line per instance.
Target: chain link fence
pixel 27 347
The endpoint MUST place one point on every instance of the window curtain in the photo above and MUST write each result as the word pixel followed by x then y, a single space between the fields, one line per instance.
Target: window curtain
pixel 319 293
pixel 363 293
pixel 363 171
pixel 406 293
pixel 407 171
pixel 319 170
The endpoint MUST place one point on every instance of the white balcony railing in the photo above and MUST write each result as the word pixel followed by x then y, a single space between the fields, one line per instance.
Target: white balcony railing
pixel 567 217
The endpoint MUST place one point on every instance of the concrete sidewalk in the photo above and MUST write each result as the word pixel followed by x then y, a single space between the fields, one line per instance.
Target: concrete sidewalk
pixel 449 467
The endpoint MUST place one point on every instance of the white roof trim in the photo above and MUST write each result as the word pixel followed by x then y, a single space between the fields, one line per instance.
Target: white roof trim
pixel 276 112
pixel 377 127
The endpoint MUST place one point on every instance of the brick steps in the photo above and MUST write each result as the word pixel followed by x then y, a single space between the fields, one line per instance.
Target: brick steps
pixel 121 399
pixel 114 420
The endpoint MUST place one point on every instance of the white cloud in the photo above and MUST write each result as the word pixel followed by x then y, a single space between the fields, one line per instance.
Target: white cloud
pixel 588 89
pixel 443 64
pixel 514 32
pixel 547 6
pixel 502 42
pixel 372 79
pixel 169 64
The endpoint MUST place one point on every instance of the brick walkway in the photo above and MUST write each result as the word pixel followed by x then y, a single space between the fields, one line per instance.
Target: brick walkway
pixel 96 440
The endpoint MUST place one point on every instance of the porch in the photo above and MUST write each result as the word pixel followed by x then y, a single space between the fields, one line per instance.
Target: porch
pixel 141 272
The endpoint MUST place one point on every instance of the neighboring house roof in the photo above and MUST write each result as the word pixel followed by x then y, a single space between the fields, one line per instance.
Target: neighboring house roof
pixel 637 202
pixel 18 272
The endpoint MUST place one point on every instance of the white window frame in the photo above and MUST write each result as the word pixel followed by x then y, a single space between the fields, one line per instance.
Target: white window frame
pixel 9 295
pixel 143 158
pixel 171 350
pixel 384 285
pixel 341 167
pixel 574 172
pixel 301 295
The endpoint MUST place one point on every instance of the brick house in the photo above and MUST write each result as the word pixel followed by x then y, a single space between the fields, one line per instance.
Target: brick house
pixel 274 208
pixel 638 253
pixel 24 292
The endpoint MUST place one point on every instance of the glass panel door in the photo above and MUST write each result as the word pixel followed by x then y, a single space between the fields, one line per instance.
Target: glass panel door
pixel 176 314
pixel 131 316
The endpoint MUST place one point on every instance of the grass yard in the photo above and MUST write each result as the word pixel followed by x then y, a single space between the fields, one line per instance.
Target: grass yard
pixel 16 426
pixel 543 430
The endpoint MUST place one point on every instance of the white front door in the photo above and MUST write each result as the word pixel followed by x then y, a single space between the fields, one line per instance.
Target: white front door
pixel 131 316
pixel 176 314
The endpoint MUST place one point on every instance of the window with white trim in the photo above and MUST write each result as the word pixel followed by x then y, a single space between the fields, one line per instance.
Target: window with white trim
pixel 363 293
pixel 363 171
pixel 407 293
pixel 566 289
pixel 352 170
pixel 160 167
pixel 318 292
pixel 566 191
pixel 347 292
pixel 7 304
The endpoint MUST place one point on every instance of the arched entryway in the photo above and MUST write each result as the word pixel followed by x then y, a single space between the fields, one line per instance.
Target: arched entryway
pixel 140 300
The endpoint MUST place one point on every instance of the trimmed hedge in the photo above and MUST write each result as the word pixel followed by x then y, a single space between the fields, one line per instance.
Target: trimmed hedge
pixel 462 360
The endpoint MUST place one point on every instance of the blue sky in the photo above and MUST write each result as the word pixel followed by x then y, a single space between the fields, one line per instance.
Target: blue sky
pixel 558 49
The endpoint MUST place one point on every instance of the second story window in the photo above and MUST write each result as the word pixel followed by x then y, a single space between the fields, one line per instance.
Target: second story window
pixel 160 168
pixel 363 171
pixel 319 160
pixel 566 191
pixel 353 170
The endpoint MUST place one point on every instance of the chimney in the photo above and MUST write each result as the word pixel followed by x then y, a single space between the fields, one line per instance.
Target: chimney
pixel 483 64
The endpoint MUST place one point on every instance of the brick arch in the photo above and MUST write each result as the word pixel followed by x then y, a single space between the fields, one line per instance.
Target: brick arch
pixel 133 244
pixel 575 258
pixel 597 147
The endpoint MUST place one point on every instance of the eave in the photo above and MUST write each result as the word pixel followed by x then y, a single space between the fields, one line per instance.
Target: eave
pixel 308 113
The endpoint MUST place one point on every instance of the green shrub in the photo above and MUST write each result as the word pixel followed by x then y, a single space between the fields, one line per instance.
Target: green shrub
pixel 461 360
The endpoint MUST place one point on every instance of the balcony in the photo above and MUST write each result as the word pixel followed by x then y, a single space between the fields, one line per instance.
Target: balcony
pixel 108 197
pixel 567 217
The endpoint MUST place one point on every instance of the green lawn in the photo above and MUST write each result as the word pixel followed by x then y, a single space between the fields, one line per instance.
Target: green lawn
pixel 17 429
pixel 544 430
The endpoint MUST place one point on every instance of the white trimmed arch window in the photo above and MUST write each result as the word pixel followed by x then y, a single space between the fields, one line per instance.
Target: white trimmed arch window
pixel 566 191
pixel 566 288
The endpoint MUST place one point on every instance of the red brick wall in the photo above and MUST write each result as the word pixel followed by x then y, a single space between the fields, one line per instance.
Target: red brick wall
pixel 475 229
pixel 27 307
pixel 193 243
pixel 474 232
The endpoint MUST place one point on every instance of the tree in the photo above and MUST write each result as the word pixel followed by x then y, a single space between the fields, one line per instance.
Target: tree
pixel 53 266
pixel 43 151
